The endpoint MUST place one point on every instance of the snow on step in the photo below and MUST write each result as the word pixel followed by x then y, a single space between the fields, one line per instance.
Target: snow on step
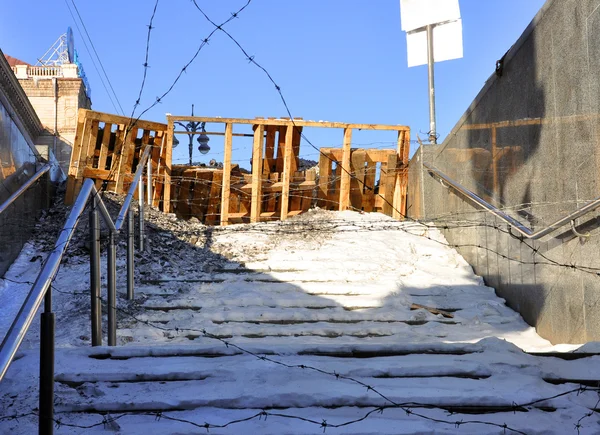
pixel 327 294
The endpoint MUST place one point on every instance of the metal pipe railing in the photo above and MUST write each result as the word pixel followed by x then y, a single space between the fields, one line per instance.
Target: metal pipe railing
pixel 21 190
pixel 522 229
pixel 42 289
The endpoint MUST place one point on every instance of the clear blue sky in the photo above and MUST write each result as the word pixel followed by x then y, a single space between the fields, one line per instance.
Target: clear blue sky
pixel 335 60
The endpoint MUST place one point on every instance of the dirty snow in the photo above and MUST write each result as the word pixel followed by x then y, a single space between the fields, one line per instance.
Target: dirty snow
pixel 306 291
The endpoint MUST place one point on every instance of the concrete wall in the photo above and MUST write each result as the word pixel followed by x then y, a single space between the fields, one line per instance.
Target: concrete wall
pixel 530 144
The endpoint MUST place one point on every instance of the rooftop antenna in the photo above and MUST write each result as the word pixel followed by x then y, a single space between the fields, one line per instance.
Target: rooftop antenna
pixel 433 34
pixel 60 53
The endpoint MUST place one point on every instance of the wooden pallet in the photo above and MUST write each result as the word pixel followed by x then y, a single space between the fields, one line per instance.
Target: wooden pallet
pixel 364 179
pixel 107 148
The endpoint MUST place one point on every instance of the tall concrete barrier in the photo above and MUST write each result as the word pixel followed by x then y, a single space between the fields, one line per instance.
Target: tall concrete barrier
pixel 530 144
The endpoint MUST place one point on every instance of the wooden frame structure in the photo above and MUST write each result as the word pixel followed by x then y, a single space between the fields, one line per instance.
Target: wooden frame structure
pixel 107 149
pixel 274 188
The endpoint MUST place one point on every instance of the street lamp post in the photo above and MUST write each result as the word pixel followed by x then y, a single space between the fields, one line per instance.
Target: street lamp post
pixel 192 128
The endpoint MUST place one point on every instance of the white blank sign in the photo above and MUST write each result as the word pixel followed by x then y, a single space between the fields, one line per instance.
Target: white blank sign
pixel 447 44
pixel 415 14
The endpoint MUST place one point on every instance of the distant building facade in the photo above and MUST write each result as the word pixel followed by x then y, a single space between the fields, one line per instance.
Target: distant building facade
pixel 56 93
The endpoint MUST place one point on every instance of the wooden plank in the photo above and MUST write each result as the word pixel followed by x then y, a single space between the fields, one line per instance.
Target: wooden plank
pixel 114 155
pixel 201 194
pixel 381 192
pixel 307 198
pixel 225 192
pixel 75 157
pixel 271 202
pixel 297 137
pixel 125 156
pixel 257 166
pixel 214 198
pixel 158 148
pixel 369 189
pixel 325 164
pixel 167 152
pixel 183 196
pixel 345 171
pixel 334 194
pixel 269 161
pixel 401 177
pixel 287 163
pixel 104 146
pixel 357 183
pixel 389 179
pixel 379 155
pixel 90 135
pixel 295 194
pixel 284 122
pixel 280 149
pixel 117 119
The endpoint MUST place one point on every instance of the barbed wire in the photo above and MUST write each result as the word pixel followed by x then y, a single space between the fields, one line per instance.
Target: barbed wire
pixel 406 407
pixel 145 64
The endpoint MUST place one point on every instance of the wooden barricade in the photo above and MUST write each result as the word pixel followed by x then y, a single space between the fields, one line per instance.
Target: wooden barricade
pixel 107 148
pixel 276 189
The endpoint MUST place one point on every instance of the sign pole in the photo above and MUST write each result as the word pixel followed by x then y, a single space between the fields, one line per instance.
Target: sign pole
pixel 430 62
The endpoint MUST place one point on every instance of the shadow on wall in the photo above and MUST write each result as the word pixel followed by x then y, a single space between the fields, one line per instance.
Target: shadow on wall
pixel 530 144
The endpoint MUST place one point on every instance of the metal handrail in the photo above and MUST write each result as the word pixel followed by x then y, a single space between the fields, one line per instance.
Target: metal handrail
pixel 522 229
pixel 41 289
pixel 24 187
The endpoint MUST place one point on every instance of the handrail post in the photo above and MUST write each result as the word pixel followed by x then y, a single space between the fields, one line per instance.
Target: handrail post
pixel 46 398
pixel 141 214
pixel 96 311
pixel 130 253
pixel 112 289
pixel 149 181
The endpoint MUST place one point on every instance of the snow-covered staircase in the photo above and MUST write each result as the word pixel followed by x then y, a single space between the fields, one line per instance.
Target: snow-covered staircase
pixel 308 325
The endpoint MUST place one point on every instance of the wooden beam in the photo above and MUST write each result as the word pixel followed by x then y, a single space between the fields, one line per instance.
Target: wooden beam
pixel 104 147
pixel 370 176
pixel 345 171
pixel 168 163
pixel 75 158
pixel 324 178
pixel 380 155
pixel 125 154
pixel 389 179
pixel 116 119
pixel 226 175
pixel 287 166
pixel 213 198
pixel 269 160
pixel 257 165
pixel 397 211
pixel 357 183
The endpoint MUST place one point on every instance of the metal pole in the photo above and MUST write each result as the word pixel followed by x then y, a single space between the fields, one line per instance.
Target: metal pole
pixel 46 399
pixel 96 315
pixel 149 183
pixel 141 214
pixel 112 290
pixel 430 62
pixel 130 253
pixel 191 147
